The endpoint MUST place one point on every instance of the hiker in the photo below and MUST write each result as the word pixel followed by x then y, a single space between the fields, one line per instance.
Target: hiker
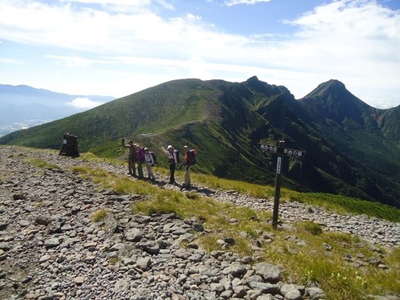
pixel 69 145
pixel 173 160
pixel 189 160
pixel 150 160
pixel 131 157
pixel 63 150
pixel 140 159
pixel 73 145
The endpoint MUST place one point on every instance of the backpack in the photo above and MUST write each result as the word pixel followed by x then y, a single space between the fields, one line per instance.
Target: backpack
pixel 191 157
pixel 153 155
pixel 176 154
pixel 140 155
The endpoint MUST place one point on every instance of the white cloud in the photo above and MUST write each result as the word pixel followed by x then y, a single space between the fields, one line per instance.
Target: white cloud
pixel 77 61
pixel 354 41
pixel 121 4
pixel 247 2
pixel 83 103
pixel 4 60
pixel 114 2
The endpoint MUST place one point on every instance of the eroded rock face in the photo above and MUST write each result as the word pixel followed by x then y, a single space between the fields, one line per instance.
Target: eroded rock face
pixel 45 227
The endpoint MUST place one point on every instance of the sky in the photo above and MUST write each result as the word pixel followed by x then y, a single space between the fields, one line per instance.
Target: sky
pixel 118 47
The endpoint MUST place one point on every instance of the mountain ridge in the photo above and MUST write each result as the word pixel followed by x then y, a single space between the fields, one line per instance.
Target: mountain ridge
pixel 25 87
pixel 24 106
pixel 226 121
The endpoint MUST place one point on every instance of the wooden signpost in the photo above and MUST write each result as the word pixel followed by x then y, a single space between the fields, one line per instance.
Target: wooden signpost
pixel 281 153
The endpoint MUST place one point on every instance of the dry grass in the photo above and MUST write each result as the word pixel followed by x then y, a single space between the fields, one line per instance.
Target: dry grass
pixel 98 215
pixel 39 163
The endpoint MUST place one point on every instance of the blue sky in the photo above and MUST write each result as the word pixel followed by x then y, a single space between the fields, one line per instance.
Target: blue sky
pixel 117 47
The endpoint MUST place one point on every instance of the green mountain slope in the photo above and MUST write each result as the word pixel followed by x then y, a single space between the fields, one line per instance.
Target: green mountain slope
pixel 226 121
pixel 367 135
pixel 390 125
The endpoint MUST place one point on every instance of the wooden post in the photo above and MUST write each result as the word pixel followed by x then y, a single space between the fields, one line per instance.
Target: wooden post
pixel 279 153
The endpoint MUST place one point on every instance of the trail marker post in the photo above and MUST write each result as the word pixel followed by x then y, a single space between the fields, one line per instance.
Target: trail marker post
pixel 281 153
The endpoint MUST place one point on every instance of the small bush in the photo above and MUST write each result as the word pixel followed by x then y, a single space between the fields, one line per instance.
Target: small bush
pixel 113 260
pixel 192 195
pixel 312 228
pixel 98 215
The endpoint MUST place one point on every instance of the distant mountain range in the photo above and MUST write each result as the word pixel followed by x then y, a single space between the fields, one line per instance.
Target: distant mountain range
pixel 23 106
pixel 352 148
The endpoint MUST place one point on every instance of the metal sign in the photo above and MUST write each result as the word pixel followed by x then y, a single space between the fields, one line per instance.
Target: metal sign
pixel 278 165
pixel 281 152
pixel 294 153
pixel 268 148
pixel 289 152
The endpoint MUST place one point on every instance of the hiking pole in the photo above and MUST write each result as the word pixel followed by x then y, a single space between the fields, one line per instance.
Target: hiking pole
pixel 279 152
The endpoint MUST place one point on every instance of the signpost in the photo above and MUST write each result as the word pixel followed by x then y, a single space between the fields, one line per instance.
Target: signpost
pixel 281 153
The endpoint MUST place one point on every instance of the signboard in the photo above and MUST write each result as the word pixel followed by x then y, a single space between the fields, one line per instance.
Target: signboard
pixel 291 153
pixel 278 165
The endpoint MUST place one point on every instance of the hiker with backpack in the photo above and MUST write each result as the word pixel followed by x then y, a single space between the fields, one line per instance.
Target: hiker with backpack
pixel 150 159
pixel 173 160
pixel 63 150
pixel 131 157
pixel 69 145
pixel 140 158
pixel 189 160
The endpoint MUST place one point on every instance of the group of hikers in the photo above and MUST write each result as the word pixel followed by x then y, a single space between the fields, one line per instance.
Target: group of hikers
pixel 139 156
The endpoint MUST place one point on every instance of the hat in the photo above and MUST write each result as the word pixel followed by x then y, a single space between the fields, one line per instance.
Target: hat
pixel 145 149
pixel 169 147
pixel 185 147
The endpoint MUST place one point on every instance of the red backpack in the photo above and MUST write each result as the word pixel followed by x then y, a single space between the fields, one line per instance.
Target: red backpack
pixel 191 157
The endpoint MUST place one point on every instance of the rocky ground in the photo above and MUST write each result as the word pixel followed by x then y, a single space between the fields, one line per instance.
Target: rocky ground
pixel 375 230
pixel 50 249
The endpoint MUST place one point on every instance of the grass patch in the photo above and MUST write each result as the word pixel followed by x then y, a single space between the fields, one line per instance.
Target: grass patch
pixel 98 215
pixel 113 260
pixel 42 164
pixel 255 190
pixel 311 263
pixel 312 227
pixel 344 204
pixel 88 156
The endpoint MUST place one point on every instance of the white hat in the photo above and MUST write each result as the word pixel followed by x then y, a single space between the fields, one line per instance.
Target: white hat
pixel 169 147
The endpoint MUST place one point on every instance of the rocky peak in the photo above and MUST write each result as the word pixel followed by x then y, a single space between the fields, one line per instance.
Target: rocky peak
pixel 331 87
pixel 253 79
